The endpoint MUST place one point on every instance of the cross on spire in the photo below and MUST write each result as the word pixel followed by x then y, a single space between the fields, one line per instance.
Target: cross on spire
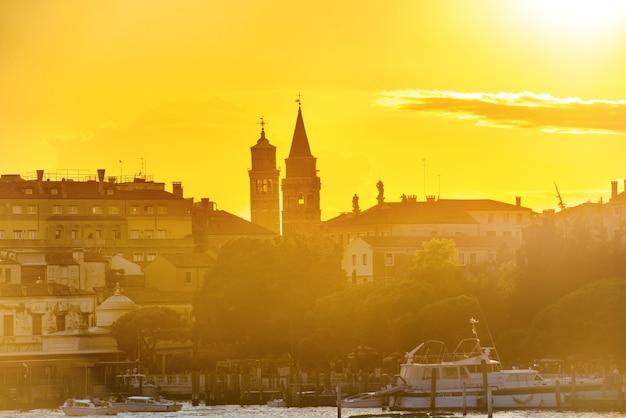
pixel 298 100
pixel 262 123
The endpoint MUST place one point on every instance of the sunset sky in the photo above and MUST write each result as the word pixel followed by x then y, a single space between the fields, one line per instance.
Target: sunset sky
pixel 462 99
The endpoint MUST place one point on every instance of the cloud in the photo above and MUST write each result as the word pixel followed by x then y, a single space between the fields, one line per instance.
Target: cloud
pixel 527 110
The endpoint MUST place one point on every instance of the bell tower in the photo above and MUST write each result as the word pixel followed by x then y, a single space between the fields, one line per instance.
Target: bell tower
pixel 301 185
pixel 264 189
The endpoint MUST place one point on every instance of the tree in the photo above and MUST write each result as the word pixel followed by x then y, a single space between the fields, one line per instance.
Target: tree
pixel 255 299
pixel 138 332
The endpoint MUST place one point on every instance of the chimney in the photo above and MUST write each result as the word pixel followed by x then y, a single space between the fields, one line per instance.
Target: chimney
pixel 430 198
pixel 177 189
pixel 101 180
pixel 40 181
pixel 518 201
pixel 613 189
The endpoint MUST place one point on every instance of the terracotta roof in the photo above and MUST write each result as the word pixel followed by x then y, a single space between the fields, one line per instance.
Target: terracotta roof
pixel 148 296
pixel 416 241
pixel 224 223
pixel 442 211
pixel 43 289
pixel 188 259
pixel 15 187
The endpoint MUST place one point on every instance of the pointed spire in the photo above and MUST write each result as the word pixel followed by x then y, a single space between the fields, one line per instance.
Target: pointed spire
pixel 300 142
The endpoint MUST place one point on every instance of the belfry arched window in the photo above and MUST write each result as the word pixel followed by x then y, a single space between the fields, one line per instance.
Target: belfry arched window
pixel 300 199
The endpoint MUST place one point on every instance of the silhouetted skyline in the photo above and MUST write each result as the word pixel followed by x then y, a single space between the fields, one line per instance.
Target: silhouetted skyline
pixel 481 99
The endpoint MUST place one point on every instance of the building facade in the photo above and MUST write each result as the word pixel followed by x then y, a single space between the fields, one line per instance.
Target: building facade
pixel 380 242
pixel 137 218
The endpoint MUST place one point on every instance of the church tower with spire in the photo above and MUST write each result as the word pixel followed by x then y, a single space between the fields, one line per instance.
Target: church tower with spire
pixel 301 185
pixel 264 189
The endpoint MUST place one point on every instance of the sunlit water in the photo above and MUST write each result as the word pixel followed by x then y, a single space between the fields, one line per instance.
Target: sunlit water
pixel 231 411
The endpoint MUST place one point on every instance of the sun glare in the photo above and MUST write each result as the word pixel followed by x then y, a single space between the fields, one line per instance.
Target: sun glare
pixel 579 16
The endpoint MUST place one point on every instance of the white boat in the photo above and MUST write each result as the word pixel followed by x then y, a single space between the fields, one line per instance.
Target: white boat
pixel 135 383
pixel 432 378
pixel 277 403
pixel 362 400
pixel 146 404
pixel 74 407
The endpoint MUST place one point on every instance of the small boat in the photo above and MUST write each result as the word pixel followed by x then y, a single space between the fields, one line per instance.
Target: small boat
pixel 134 383
pixel 277 403
pixel 362 400
pixel 146 404
pixel 74 407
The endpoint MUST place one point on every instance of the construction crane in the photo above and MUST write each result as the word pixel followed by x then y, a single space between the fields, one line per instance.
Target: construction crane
pixel 558 194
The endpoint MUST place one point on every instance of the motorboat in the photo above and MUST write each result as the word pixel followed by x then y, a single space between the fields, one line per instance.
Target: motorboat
pixel 146 404
pixel 432 378
pixel 362 400
pixel 277 403
pixel 74 407
pixel 135 383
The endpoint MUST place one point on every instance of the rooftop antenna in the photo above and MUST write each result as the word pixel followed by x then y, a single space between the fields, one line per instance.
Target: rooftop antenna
pixel 558 195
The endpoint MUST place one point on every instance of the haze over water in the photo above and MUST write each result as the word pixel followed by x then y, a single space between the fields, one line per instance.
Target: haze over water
pixel 262 411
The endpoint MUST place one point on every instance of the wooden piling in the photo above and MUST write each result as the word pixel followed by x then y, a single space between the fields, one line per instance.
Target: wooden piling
pixel 433 389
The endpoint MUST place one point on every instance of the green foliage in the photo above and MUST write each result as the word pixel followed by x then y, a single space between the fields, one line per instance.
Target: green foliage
pixel 588 322
pixel 255 299
pixel 138 332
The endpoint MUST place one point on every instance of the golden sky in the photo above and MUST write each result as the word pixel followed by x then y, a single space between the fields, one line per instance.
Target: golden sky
pixel 461 99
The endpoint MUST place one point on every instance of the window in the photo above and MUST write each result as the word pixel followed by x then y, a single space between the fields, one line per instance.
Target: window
pixel 162 210
pixel 17 234
pixel 506 218
pixel 300 199
pixel 32 234
pixel 7 275
pixel 31 210
pixel 134 234
pixel 17 210
pixel 54 192
pixel 461 259
pixel 114 210
pixel 115 233
pixel 148 209
pixel 364 258
pixel 57 234
pixel 161 234
pixel 36 321
pixel 354 259
pixel 28 191
pixel 188 279
pixel 8 325
pixel 472 259
pixel 98 233
pixel 61 322
pixel 506 233
pixel 389 259
pixel 1 233
pixel 137 257
pixel 57 210
pixel 134 210
pixel 96 210
pixel 151 257
pixel 520 218
pixel 73 210
pixel 74 233
pixel 148 234
pixel 490 217
pixel 491 233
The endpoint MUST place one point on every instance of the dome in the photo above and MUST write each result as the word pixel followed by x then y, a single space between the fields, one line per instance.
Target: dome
pixel 113 308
